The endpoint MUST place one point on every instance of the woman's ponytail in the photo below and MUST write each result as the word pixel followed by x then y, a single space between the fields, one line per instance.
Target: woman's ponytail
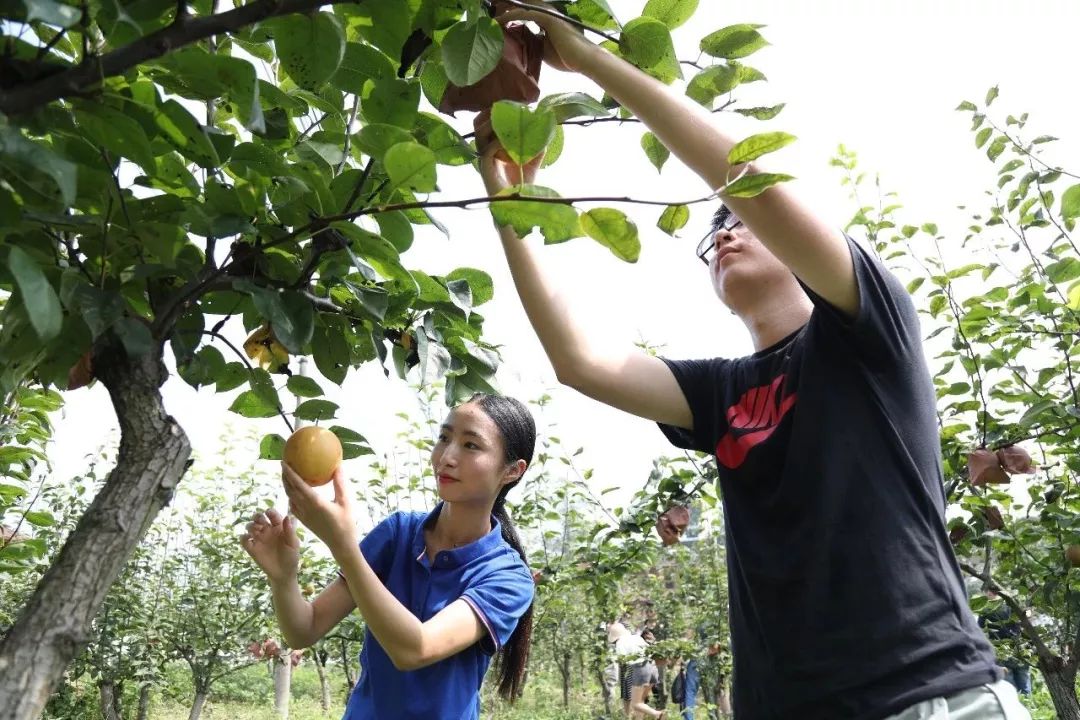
pixel 518 430
pixel 514 656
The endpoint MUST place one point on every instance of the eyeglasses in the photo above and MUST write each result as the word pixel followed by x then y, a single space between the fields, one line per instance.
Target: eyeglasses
pixel 724 219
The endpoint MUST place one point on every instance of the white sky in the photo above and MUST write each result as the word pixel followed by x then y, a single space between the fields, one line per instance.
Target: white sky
pixel 881 77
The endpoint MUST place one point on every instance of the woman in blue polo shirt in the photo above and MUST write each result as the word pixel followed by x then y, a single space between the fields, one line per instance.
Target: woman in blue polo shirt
pixel 440 593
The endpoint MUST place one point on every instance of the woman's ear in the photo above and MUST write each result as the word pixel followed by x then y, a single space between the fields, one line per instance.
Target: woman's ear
pixel 514 471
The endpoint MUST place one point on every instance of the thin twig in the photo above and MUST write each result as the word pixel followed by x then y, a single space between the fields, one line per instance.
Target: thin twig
pixel 251 369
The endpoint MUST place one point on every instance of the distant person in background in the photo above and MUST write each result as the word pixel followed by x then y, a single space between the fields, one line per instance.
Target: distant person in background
pixel 1001 625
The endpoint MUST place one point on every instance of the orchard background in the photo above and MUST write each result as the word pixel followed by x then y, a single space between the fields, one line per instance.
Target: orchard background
pixel 230 220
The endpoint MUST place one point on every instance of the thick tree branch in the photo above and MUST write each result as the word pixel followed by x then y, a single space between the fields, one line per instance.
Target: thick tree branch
pixel 78 79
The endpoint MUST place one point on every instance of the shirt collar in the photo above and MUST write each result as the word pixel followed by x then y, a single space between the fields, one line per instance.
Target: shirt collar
pixel 460 555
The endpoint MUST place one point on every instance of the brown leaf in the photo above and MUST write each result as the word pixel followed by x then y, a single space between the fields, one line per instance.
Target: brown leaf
pixel 516 77
pixel 82 372
pixel 1015 460
pixel 993 518
pixel 984 469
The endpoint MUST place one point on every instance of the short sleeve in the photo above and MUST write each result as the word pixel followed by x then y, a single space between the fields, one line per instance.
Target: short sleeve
pixel 887 324
pixel 378 545
pixel 701 382
pixel 499 599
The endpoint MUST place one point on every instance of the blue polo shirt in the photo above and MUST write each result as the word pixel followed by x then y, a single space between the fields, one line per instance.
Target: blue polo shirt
pixel 488 574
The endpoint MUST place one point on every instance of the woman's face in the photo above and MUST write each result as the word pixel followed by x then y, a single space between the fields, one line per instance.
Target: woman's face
pixel 469 458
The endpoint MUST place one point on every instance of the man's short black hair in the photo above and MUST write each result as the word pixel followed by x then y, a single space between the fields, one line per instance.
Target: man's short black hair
pixel 720 216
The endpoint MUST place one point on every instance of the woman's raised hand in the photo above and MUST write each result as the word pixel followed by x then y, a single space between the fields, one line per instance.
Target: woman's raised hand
pixel 272 543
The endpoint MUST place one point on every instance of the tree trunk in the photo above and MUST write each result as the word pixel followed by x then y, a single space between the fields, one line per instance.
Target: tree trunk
pixel 564 670
pixel 605 690
pixel 324 682
pixel 282 682
pixel 108 700
pixel 197 706
pixel 144 702
pixel 1061 682
pixel 54 626
pixel 350 681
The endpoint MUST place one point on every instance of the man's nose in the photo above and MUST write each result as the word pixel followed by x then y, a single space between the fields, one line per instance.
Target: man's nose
pixel 722 238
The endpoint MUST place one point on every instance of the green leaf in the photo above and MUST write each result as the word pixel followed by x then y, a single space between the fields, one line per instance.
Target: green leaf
pixel 982 136
pixel 135 335
pixel 558 222
pixel 39 158
pixel 997 147
pixel 1070 203
pixel 394 102
pixel 572 105
pixel 755 146
pixel 40 518
pixel 646 42
pixel 303 386
pixel 753 185
pixel 290 314
pixel 316 410
pixel 672 13
pixel 250 404
pixel 460 295
pixel 655 150
pixel 361 63
pixel 595 13
pixel 118 133
pixel 43 306
pixel 190 138
pixel 480 283
pixel 734 41
pixel 673 219
pixel 612 229
pixel 258 159
pixel 967 105
pixel 991 94
pixel 555 148
pixel 375 139
pixel 396 227
pixel 524 133
pixel 51 12
pixel 310 47
pixel 272 447
pixel 411 165
pixel 471 50
pixel 761 113
pixel 1074 297
pixel 712 82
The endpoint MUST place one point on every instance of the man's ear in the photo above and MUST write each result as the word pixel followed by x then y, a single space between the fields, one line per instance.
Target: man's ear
pixel 514 471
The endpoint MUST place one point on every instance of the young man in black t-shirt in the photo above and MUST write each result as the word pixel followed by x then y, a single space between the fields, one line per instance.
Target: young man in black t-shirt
pixel 846 599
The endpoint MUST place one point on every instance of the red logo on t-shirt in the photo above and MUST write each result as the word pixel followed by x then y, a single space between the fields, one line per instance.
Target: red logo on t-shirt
pixel 752 420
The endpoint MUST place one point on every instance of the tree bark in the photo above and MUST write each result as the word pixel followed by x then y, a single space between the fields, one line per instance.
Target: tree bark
pixel 605 691
pixel 144 702
pixel 108 700
pixel 324 682
pixel 197 706
pixel 564 671
pixel 55 623
pixel 1061 682
pixel 282 683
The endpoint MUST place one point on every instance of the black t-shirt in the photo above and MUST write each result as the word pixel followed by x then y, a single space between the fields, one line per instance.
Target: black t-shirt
pixel 846 598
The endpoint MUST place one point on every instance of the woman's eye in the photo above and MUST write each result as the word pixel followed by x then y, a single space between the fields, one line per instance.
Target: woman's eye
pixel 442 437
pixel 472 446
